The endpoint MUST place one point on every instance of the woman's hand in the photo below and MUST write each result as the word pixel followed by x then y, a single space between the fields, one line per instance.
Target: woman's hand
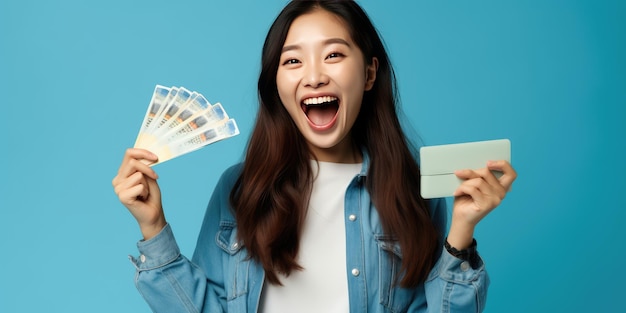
pixel 478 195
pixel 137 189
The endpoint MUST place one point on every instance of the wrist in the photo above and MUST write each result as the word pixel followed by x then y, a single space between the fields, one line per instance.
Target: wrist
pixel 460 236
pixel 150 230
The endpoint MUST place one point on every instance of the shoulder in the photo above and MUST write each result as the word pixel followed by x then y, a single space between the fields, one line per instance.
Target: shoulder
pixel 225 185
pixel 229 176
pixel 219 208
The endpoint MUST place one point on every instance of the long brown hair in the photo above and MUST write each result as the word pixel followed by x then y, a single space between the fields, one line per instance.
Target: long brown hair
pixel 271 196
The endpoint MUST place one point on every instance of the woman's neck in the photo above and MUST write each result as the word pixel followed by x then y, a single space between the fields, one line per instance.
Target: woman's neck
pixel 344 152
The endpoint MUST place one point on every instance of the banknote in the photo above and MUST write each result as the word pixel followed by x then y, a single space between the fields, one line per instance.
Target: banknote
pixel 157 102
pixel 145 136
pixel 209 116
pixel 181 100
pixel 179 121
pixel 195 140
pixel 194 107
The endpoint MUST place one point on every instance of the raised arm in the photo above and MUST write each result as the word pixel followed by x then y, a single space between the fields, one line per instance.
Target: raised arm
pixel 167 280
pixel 456 284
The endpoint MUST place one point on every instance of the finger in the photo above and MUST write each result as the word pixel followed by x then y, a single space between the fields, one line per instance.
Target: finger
pixel 466 174
pixel 482 194
pixel 139 192
pixel 145 192
pixel 142 180
pixel 132 163
pixel 495 185
pixel 139 154
pixel 486 174
pixel 133 180
pixel 154 191
pixel 472 190
pixel 508 173
pixel 130 196
pixel 468 188
pixel 482 185
pixel 136 153
pixel 144 168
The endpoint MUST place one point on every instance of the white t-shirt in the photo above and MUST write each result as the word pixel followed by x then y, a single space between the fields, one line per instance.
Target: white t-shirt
pixel 322 286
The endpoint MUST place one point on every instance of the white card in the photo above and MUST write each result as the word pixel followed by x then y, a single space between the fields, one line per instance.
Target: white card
pixel 438 163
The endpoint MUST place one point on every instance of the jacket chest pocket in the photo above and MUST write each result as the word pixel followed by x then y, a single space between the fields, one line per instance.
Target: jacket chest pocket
pixel 393 297
pixel 236 264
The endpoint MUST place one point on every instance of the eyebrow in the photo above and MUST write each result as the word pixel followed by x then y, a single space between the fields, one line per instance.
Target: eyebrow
pixel 325 43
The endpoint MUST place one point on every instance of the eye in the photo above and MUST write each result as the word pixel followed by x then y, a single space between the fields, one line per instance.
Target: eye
pixel 334 55
pixel 291 61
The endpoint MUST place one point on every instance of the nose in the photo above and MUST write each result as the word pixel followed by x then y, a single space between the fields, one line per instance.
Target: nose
pixel 314 75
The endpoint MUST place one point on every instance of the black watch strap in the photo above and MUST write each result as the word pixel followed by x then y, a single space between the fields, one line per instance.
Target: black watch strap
pixel 470 254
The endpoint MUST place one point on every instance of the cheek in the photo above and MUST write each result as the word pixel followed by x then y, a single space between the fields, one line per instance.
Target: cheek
pixel 284 87
pixel 288 104
pixel 351 77
pixel 280 86
pixel 352 81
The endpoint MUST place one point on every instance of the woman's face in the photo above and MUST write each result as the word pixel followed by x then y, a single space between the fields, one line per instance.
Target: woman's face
pixel 321 79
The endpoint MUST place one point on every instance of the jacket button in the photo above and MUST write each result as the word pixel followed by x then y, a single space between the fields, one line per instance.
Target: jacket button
pixel 352 217
pixel 465 266
pixel 142 258
pixel 235 245
pixel 355 272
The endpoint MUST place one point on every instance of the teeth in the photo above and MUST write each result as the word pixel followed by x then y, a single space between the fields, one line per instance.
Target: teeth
pixel 319 100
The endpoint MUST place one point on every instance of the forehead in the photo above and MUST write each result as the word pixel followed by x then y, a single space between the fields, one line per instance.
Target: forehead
pixel 315 26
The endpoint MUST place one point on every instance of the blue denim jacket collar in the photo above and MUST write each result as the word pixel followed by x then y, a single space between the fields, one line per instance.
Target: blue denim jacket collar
pixel 366 163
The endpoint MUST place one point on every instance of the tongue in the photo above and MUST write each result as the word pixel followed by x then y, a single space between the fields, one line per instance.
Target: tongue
pixel 321 115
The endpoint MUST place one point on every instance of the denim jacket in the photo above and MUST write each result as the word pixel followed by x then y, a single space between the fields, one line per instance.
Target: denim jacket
pixel 221 278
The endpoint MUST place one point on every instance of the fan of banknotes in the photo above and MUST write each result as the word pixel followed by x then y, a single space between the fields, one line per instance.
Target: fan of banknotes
pixel 179 121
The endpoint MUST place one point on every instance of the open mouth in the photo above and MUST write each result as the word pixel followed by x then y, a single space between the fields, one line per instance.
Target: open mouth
pixel 321 111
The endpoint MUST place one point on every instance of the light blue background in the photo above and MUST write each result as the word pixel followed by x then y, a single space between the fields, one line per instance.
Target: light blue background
pixel 76 78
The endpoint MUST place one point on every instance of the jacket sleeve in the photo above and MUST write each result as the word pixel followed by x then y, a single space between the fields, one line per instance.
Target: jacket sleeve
pixel 453 285
pixel 168 281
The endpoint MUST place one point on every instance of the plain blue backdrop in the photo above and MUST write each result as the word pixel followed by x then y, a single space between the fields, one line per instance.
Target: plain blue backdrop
pixel 76 78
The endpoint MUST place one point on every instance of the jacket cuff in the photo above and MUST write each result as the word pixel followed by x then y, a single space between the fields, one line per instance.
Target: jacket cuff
pixel 156 252
pixel 453 269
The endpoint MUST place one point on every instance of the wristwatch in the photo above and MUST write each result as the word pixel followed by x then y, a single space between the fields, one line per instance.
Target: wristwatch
pixel 470 254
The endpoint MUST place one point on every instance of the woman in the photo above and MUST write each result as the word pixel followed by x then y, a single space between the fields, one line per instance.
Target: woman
pixel 324 214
